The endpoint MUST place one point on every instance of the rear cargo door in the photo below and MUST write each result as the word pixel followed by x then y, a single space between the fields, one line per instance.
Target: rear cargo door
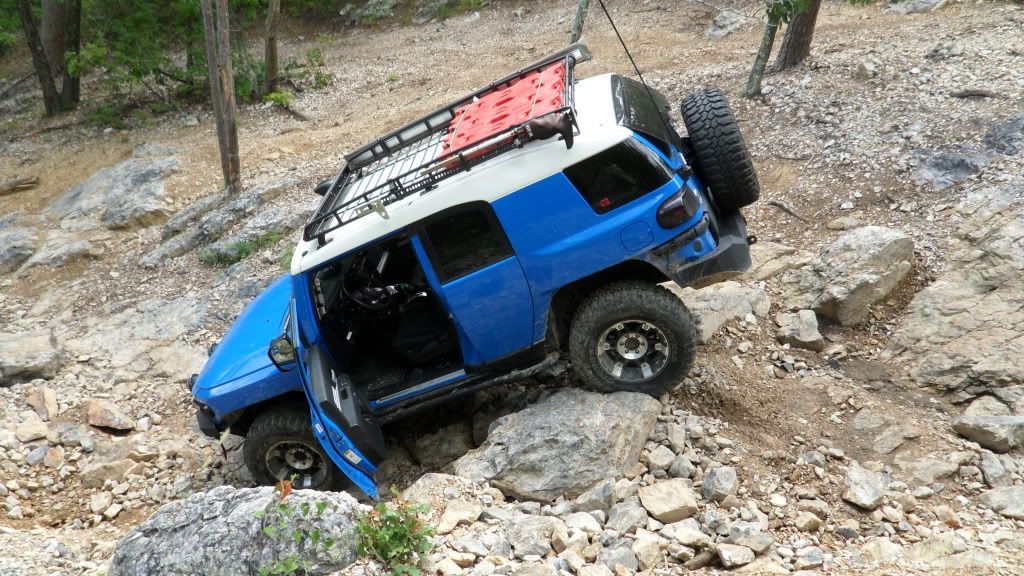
pixel 481 280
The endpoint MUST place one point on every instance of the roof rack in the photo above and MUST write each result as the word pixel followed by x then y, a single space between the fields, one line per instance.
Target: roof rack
pixel 416 157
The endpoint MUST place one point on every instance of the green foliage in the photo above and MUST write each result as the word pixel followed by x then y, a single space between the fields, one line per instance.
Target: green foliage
pixel 285 259
pixel 786 10
pixel 104 114
pixel 282 99
pixel 395 534
pixel 454 8
pixel 287 522
pixel 250 76
pixel 315 57
pixel 391 77
pixel 239 251
pixel 322 79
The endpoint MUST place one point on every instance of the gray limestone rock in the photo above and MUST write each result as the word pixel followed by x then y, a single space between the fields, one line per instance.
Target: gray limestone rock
pixel 863 488
pixel 28 355
pixel 563 444
pixel 997 433
pixel 719 303
pixel 719 483
pixel 221 531
pixel 16 246
pixel 1007 501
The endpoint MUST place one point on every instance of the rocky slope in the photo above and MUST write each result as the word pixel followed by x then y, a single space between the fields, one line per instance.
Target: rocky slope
pixel 857 406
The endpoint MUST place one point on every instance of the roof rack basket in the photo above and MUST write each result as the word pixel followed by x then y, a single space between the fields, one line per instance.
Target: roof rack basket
pixel 413 158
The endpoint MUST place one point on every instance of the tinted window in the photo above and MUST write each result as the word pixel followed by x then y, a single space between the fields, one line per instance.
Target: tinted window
pixel 618 175
pixel 466 241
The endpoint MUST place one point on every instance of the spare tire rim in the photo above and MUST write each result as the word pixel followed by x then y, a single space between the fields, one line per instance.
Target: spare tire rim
pixel 632 350
pixel 298 462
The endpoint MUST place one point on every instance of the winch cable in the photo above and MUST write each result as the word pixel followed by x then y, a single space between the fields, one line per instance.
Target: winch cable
pixel 664 120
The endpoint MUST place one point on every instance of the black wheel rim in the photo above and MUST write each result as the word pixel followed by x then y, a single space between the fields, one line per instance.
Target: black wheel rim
pixel 632 350
pixel 297 461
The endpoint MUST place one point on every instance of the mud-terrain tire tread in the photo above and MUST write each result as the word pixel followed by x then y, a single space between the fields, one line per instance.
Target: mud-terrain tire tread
pixel 289 421
pixel 621 301
pixel 722 161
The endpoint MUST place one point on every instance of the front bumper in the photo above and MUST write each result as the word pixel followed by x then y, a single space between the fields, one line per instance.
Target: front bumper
pixel 730 258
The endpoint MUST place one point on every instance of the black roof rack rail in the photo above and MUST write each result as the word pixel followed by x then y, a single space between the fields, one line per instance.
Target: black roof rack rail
pixel 406 161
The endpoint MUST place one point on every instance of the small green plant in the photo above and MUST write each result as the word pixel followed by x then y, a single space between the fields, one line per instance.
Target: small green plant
pixel 395 534
pixel 315 57
pixel 322 79
pixel 282 99
pixel 322 38
pixel 285 259
pixel 106 114
pixel 238 251
pixel 286 522
pixel 457 7
pixel 391 77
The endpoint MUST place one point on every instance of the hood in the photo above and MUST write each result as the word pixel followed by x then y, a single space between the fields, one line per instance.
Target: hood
pixel 243 350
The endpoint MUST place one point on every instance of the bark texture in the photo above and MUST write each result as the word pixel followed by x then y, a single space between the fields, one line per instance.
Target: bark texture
pixel 222 88
pixel 796 44
pixel 753 87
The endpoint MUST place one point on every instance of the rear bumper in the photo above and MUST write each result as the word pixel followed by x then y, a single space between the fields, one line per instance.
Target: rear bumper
pixel 730 258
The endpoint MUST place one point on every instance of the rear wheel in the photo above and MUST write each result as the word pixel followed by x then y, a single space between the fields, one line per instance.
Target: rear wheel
pixel 280 446
pixel 722 160
pixel 634 337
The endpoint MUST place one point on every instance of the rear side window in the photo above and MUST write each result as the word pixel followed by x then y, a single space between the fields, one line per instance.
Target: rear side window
pixel 618 175
pixel 465 241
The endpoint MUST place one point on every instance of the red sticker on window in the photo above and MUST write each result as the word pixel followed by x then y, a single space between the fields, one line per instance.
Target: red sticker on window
pixel 604 203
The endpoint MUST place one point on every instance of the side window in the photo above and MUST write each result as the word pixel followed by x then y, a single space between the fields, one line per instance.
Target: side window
pixel 466 240
pixel 618 175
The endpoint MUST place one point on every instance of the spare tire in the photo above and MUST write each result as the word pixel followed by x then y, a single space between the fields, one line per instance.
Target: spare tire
pixel 720 158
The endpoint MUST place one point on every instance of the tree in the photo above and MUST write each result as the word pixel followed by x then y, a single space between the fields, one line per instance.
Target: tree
pixel 61 23
pixel 270 50
pixel 796 44
pixel 217 32
pixel 776 11
pixel 577 24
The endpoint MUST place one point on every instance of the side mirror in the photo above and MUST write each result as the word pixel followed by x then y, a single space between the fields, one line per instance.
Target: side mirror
pixel 322 188
pixel 282 353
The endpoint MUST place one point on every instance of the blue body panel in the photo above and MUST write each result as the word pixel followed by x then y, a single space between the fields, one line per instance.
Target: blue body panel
pixel 239 373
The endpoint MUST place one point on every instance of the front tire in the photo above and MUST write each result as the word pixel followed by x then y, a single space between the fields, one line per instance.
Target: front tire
pixel 632 337
pixel 280 446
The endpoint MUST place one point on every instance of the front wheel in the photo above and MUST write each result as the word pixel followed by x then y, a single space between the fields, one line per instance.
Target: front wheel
pixel 280 446
pixel 632 337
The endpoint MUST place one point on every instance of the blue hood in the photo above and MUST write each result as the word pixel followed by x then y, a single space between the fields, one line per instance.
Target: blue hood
pixel 243 350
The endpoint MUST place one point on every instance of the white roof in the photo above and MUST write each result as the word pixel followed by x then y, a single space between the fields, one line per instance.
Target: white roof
pixel 510 171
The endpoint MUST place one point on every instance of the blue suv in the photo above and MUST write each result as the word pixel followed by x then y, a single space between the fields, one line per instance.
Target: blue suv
pixel 529 221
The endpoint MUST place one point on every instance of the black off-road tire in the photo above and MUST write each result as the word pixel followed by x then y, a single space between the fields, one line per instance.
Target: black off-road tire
pixel 286 423
pixel 722 161
pixel 621 302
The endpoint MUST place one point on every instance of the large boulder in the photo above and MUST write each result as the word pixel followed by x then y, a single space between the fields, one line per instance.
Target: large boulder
pixel 562 445
pixel 719 303
pixel 862 267
pixel 222 532
pixel 997 433
pixel 1007 501
pixel 28 355
pixel 264 229
pixel 129 193
pixel 16 245
pixel 60 249
pixel 965 332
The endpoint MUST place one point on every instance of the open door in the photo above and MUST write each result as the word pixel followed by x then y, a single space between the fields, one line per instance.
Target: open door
pixel 481 282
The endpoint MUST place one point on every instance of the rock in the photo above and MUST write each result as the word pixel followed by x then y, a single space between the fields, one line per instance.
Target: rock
pixel 722 302
pixel 967 562
pixel 95 474
pixel 592 570
pixel 54 457
pixel 430 489
pixel 681 468
pixel 726 22
pixel 16 246
pixel 435 451
pixel 458 512
pixel 220 528
pixel 866 70
pixel 531 535
pixel 1006 137
pixel 669 500
pixel 940 170
pixel 993 471
pixel 563 444
pixel 647 552
pixel 60 249
pixel 31 428
pixel 105 414
pixel 800 330
pixel 600 496
pixel 619 555
pixel 893 437
pixel 916 6
pixel 868 419
pixel 751 535
pixel 584 522
pixel 732 555
pixel 807 558
pixel 1007 501
pixel 807 522
pixel 626 517
pixel 769 259
pixel 719 483
pixel 130 193
pixel 100 501
pixel 997 433
pixel 987 406
pixel 267 227
pixel 928 470
pixel 881 550
pixel 689 534
pixel 843 223
pixel 28 355
pixel 863 488
pixel 956 332
pixel 44 401
pixel 862 267
pixel 936 547
pixel 448 567
pixel 660 458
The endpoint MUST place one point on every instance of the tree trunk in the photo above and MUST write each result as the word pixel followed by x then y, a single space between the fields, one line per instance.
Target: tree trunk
pixel 51 32
pixel 796 44
pixel 761 60
pixel 577 25
pixel 71 91
pixel 51 98
pixel 270 51
pixel 222 88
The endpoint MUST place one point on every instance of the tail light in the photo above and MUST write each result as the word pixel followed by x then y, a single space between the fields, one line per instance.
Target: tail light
pixel 679 208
